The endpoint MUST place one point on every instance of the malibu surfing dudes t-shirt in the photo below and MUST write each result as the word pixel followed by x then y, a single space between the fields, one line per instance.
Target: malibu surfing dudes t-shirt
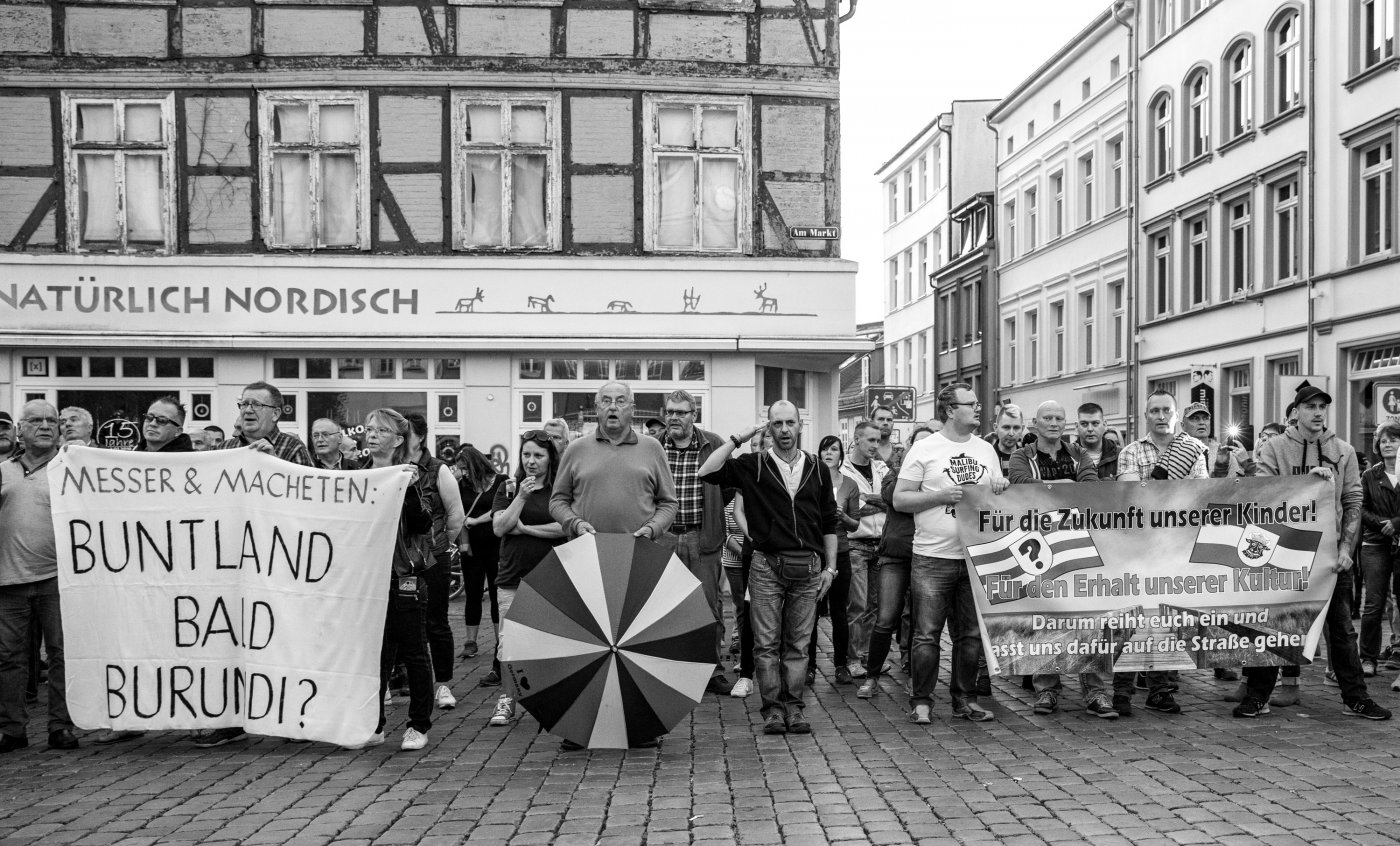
pixel 938 464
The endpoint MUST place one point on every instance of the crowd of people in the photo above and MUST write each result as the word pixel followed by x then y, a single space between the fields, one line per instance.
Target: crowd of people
pixel 864 532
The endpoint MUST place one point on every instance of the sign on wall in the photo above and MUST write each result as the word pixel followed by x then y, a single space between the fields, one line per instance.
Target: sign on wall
pixel 898 398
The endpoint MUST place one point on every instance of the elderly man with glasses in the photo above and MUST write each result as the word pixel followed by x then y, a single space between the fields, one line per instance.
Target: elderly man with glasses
pixel 259 409
pixel 327 437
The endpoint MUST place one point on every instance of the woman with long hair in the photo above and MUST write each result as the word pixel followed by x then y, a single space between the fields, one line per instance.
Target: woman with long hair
pixel 520 518
pixel 478 481
pixel 832 453
pixel 405 639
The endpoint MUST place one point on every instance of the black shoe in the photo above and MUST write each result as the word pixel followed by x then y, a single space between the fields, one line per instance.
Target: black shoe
pixel 984 685
pixel 1164 702
pixel 1367 709
pixel 843 674
pixel 570 746
pixel 1123 705
pixel 648 744
pixel 62 739
pixel 491 679
pixel 797 724
pixel 9 742
pixel 719 684
pixel 1226 674
pixel 218 737
pixel 774 723
pixel 1250 707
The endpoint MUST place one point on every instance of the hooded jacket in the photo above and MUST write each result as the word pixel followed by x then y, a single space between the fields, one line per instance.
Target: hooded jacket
pixel 1290 454
pixel 779 522
pixel 180 443
pixel 1025 464
pixel 871 525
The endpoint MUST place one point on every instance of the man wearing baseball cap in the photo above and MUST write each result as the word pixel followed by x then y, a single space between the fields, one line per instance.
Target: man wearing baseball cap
pixel 7 434
pixel 1309 448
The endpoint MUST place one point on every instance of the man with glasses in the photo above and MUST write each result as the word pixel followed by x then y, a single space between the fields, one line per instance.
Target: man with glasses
pixel 698 532
pixel 161 427
pixel 29 580
pixel 558 431
pixel 259 409
pixel 326 437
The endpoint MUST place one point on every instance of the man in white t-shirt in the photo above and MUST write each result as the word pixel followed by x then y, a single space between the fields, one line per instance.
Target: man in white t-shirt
pixel 930 486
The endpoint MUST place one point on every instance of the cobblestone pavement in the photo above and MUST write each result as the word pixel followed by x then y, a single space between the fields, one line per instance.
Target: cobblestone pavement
pixel 1302 775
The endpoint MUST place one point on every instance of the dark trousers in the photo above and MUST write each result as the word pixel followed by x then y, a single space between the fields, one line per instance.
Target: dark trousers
pixel 1342 653
pixel 20 604
pixel 439 581
pixel 406 641
pixel 479 576
pixel 840 624
pixel 738 584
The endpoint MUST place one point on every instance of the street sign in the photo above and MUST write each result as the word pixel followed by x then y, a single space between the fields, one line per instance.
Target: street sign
pixel 825 233
pixel 897 398
pixel 1387 396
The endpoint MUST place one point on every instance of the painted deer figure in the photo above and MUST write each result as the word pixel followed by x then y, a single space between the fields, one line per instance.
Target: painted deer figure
pixel 766 303
pixel 469 303
pixel 620 305
pixel 541 303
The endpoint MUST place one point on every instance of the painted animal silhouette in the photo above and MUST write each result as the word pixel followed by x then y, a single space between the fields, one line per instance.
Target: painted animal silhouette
pixel 620 305
pixel 541 303
pixel 766 303
pixel 691 299
pixel 469 303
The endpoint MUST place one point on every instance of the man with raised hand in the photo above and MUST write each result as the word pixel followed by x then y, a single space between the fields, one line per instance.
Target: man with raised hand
pixel 1308 448
pixel 259 409
pixel 1053 460
pixel 931 483
pixel 790 509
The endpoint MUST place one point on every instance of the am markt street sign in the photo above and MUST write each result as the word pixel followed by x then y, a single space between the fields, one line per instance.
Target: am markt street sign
pixel 824 233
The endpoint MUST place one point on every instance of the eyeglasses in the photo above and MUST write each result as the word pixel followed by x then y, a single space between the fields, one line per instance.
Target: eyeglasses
pixel 158 420
pixel 39 421
pixel 381 431
pixel 968 404
pixel 535 435
pixel 244 405
pixel 671 412
pixel 613 403
pixel 325 436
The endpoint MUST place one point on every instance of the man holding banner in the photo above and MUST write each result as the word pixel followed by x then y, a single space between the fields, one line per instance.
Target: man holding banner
pixel 259 409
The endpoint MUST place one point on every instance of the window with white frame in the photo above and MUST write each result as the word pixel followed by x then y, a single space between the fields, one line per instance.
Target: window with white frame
pixel 1286 82
pixel 1376 198
pixel 1284 229
pixel 1239 246
pixel 1198 259
pixel 893 265
pixel 1030 130
pixel 1010 144
pixel 1086 188
pixel 921 249
pixel 936 255
pixel 120 159
pixel 697 173
pixel 1031 228
pixel 1055 110
pixel 909 275
pixel 1161 276
pixel 1008 358
pixel 1120 320
pixel 1375 20
pixel 1057 315
pixel 909 188
pixel 1057 205
pixel 1195 7
pixel 909 361
pixel 894 200
pixel 1086 328
pixel 1115 67
pixel 315 169
pixel 1239 91
pixel 505 161
pixel 1118 179
pixel 923 362
pixel 1032 344
pixel 935 167
pixel 1009 214
pixel 1237 382
pixel 1198 114
pixel 1160 149
pixel 1163 19
pixel 923 175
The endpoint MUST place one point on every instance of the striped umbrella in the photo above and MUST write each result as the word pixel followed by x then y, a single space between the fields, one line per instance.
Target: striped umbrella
pixel 609 641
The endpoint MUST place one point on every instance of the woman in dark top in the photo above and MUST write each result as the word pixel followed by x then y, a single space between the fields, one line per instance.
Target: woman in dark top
pixel 832 453
pixel 520 518
pixel 478 481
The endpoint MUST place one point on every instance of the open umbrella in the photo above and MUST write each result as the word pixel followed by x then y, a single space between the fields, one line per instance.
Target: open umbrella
pixel 609 641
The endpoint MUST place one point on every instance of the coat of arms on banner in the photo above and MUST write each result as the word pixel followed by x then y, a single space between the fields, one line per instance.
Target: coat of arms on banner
pixel 1256 546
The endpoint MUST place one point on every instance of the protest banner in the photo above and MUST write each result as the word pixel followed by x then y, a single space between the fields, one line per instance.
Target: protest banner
pixel 227 588
pixel 1129 576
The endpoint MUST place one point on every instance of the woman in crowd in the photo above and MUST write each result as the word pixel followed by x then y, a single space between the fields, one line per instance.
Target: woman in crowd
pixel 386 439
pixel 520 518
pixel 832 453
pixel 479 483
pixel 1380 533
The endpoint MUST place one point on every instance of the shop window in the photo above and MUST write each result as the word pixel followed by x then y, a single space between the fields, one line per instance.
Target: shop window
pixel 797 388
pixel 448 368
pixel 628 369
pixel 70 366
pixel 350 368
pixel 697 173
pixel 102 366
pixel 532 368
pixel 200 368
pixel 660 369
pixel 167 367
pixel 415 368
pixel 563 368
pixel 120 160
pixel 772 385
pixel 595 369
pixel 692 370
pixel 350 408
pixel 315 170
pixel 506 169
pixel 286 368
pixel 382 368
pixel 135 368
pixel 318 368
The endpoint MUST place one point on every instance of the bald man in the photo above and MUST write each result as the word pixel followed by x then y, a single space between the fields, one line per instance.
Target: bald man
pixel 790 507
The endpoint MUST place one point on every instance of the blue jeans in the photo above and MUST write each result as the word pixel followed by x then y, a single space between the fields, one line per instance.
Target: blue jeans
pixel 939 590
pixel 1380 572
pixel 18 605
pixel 704 566
pixel 779 608
pixel 862 595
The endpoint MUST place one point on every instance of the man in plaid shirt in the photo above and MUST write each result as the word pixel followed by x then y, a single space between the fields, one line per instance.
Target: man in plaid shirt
pixel 259 409
pixel 698 532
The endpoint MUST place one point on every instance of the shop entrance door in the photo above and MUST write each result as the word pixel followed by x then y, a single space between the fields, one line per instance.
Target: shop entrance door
pixel 116 415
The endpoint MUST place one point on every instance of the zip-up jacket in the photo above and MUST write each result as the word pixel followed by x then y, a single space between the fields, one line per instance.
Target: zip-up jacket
pixel 1380 504
pixel 779 522
pixel 1108 461
pixel 1025 464
pixel 871 525
pixel 1290 454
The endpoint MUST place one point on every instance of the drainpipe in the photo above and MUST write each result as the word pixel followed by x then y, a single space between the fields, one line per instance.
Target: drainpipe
pixel 1311 242
pixel 1123 13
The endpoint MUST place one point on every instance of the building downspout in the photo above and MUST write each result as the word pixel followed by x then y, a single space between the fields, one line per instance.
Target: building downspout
pixel 991 317
pixel 1123 13
pixel 1311 240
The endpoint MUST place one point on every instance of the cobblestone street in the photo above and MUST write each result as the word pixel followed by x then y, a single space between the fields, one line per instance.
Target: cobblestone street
pixel 1301 775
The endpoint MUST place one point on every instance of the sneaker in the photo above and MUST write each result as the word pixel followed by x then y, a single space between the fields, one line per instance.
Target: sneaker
pixel 218 737
pixel 774 723
pixel 1330 677
pixel 413 740
pixel 1046 702
pixel 1226 674
pixel 1363 708
pixel 470 649
pixel 1395 685
pixel 920 716
pixel 1238 694
pixel 1164 702
pixel 444 698
pixel 857 671
pixel 974 712
pixel 491 679
pixel 1100 707
pixel 1284 695
pixel 1393 662
pixel 1250 707
pixel 505 712
pixel 742 688
pixel 869 689
pixel 1368 668
pixel 843 675
pixel 1123 705
pixel 797 723
pixel 720 685
pixel 374 740
pixel 388 697
pixel 115 736
pixel 64 739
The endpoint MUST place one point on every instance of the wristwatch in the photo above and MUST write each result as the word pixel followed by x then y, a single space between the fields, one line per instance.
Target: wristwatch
pixel 831 571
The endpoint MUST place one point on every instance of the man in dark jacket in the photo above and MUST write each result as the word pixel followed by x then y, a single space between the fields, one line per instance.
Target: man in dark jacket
pixel 697 534
pixel 162 425
pixel 791 511
pixel 1090 429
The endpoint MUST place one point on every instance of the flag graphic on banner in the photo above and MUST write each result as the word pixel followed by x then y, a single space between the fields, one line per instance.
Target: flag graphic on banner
pixel 1254 545
pixel 1009 565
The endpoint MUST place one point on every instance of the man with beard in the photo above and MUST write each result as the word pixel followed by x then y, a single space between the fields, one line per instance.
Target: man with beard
pixel 890 453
